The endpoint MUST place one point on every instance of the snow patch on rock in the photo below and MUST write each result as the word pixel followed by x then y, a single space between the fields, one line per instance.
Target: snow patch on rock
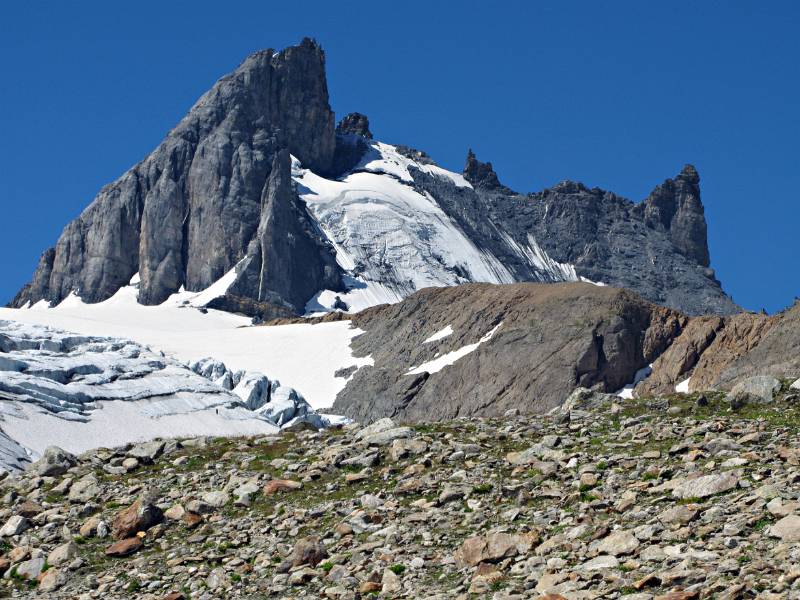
pixel 639 376
pixel 683 386
pixel 437 364
pixel 439 335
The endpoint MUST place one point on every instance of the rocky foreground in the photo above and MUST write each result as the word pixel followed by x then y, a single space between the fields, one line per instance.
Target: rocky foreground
pixel 676 497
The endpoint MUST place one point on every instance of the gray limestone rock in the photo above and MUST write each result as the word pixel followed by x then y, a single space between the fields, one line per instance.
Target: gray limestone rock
pixel 187 213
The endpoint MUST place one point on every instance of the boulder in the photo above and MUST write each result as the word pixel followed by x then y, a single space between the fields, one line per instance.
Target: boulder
pixel 54 461
pixel 706 485
pixel 378 426
pixel 308 551
pixel 762 387
pixel 51 580
pixel 85 489
pixel 386 437
pixel 491 548
pixel 31 568
pixel 139 516
pixel 600 563
pixel 216 498
pixel 63 554
pixel 14 526
pixel 787 529
pixel 617 543
pixel 147 452
pixel 276 486
pixel 124 547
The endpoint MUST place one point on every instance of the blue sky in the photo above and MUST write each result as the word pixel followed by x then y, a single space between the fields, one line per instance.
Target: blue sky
pixel 614 94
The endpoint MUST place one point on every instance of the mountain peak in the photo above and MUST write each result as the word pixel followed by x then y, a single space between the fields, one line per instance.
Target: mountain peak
pixel 355 123
pixel 481 174
pixel 675 207
pixel 689 174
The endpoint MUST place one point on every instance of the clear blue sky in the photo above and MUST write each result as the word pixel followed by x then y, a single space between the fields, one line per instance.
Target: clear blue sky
pixel 614 94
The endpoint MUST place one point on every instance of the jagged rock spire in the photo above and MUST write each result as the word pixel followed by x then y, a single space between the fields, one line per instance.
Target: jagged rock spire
pixel 481 174
pixel 675 207
pixel 355 123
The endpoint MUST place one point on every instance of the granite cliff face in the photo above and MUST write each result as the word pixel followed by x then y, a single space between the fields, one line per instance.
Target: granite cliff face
pixel 256 178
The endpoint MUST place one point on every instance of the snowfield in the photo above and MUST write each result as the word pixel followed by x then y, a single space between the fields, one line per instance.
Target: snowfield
pixel 301 356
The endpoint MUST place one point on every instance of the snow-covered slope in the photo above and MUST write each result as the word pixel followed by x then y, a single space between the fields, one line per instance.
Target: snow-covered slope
pixel 392 238
pixel 302 356
pixel 80 392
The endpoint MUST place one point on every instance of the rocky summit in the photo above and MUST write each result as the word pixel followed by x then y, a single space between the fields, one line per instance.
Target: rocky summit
pixel 257 193
pixel 669 497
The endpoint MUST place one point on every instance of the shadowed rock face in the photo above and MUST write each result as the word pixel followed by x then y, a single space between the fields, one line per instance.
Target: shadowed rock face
pixel 550 339
pixel 657 248
pixel 355 124
pixel 186 214
pixel 286 262
pixel 674 207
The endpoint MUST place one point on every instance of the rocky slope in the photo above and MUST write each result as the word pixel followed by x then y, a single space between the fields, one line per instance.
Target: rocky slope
pixel 674 498
pixel 482 349
pixel 531 345
pixel 256 184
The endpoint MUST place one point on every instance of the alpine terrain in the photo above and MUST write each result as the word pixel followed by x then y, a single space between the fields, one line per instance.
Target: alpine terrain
pixel 279 358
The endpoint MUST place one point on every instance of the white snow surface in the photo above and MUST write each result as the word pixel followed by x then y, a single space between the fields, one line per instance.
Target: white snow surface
pixel 639 376
pixel 118 422
pixel 437 364
pixel 80 392
pixel 534 254
pixel 683 386
pixel 301 356
pixel 392 239
pixel 439 335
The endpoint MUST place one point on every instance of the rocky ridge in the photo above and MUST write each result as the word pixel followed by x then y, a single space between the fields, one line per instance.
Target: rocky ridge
pixel 671 498
pixel 480 349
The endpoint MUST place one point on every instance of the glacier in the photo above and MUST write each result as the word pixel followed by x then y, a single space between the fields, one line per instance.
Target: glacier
pixel 390 237
pixel 80 392
pixel 302 356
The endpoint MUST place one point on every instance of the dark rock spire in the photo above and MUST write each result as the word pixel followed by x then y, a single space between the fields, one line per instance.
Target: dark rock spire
pixel 481 174
pixel 355 123
pixel 675 208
